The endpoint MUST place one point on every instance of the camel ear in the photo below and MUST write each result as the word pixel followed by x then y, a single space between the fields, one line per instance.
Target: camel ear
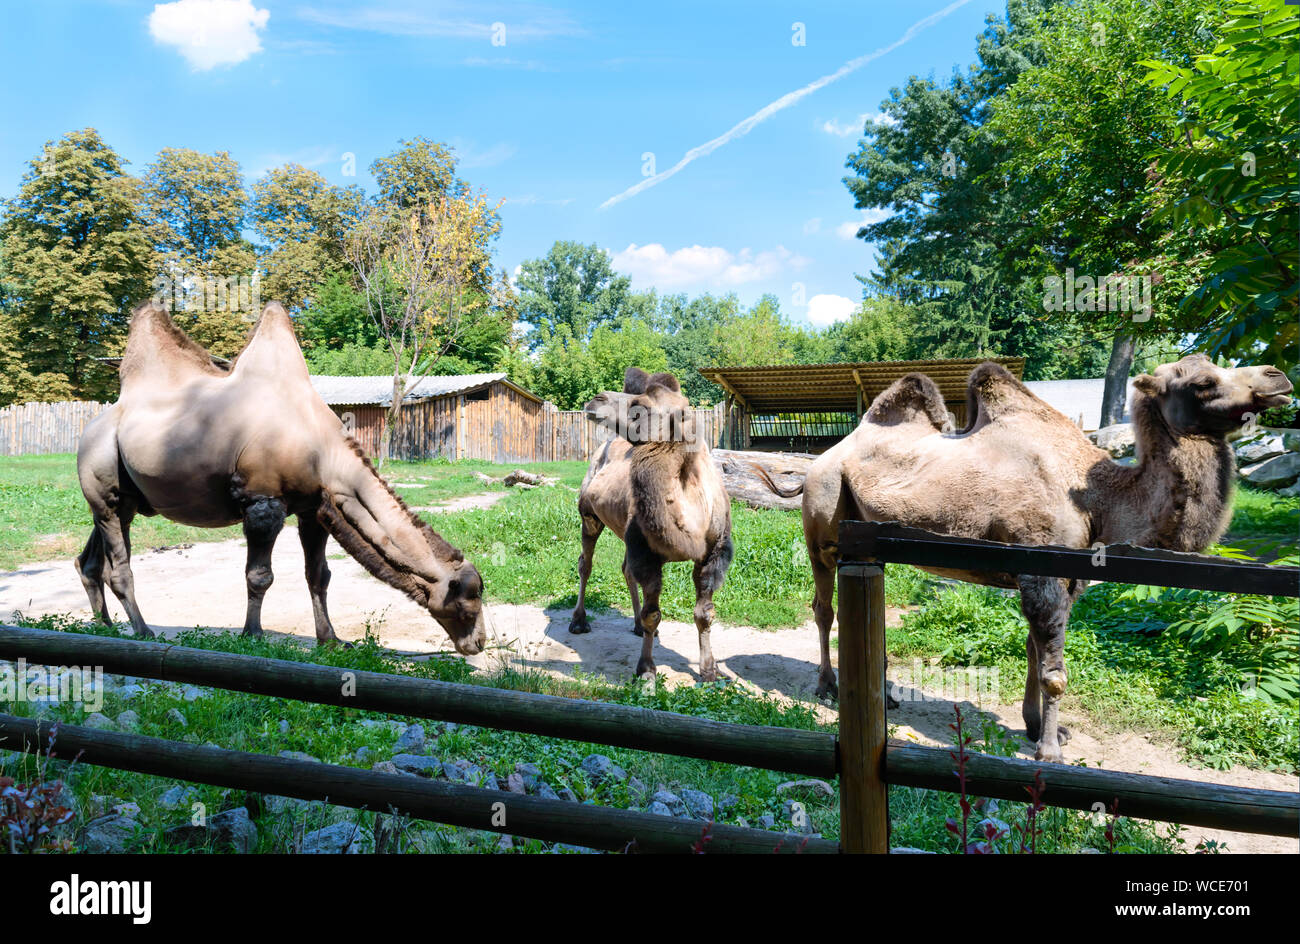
pixel 635 380
pixel 1151 386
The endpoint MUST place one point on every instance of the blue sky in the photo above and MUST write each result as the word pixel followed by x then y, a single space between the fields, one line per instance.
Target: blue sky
pixel 551 107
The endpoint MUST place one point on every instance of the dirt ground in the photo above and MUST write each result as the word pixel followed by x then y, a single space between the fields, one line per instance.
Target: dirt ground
pixel 203 585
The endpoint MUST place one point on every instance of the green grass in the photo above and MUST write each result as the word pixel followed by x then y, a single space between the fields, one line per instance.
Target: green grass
pixel 333 735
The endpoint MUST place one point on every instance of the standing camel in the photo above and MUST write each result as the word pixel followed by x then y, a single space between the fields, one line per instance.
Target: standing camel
pixel 1022 473
pixel 655 486
pixel 209 447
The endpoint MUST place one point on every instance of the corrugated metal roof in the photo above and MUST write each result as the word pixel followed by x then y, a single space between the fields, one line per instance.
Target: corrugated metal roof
pixel 378 391
pixel 795 388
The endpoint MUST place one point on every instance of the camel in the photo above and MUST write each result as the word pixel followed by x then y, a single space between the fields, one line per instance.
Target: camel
pixel 254 444
pixel 1022 473
pixel 656 487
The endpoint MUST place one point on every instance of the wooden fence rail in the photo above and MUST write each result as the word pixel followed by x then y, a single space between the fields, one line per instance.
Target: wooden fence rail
pixel 865 547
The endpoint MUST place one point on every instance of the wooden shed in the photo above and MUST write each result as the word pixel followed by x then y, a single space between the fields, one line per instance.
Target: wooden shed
pixel 470 416
pixel 810 407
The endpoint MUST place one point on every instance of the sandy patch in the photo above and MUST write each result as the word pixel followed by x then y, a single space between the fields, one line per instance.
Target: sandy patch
pixel 202 585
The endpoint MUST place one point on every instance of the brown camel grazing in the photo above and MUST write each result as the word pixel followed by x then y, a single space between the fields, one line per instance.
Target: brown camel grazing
pixel 209 447
pixel 656 487
pixel 1022 473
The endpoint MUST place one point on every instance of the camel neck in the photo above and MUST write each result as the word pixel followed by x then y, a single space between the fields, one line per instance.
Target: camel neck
pixel 1179 494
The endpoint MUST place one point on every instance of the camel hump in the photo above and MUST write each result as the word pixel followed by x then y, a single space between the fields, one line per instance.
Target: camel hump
pixel 664 379
pixel 272 347
pixel 993 392
pixel 635 380
pixel 910 397
pixel 156 346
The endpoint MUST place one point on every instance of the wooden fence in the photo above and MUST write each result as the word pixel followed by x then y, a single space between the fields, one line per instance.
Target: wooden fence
pixel 865 761
pixel 35 429
pixel 506 428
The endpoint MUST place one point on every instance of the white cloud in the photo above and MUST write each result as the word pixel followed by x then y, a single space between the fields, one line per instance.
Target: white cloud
pixel 702 266
pixel 785 101
pixel 824 310
pixel 812 226
pixel 855 128
pixel 849 230
pixel 209 33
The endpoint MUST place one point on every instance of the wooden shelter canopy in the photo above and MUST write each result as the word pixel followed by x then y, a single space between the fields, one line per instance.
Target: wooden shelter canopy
pixel 807 388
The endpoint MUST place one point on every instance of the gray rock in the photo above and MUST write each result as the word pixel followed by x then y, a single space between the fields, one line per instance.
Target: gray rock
pixel 130 691
pixel 128 720
pixel 410 741
pixel 1119 440
pixel 362 754
pixel 1274 473
pixel 910 850
pixel 386 767
pixel 806 787
pixel 766 821
pixel 515 783
pixel 637 791
pixel 804 825
pixel 284 726
pixel 176 796
pixel 698 803
pixel 99 722
pixel 1001 829
pixel 1258 449
pixel 174 714
pixel 1291 491
pixel 1291 440
pixel 670 800
pixel 603 770
pixel 292 806
pixel 728 803
pixel 420 764
pixel 546 791
pixel 568 795
pixel 190 693
pixel 397 727
pixel 230 830
pixel 339 839
pixel 107 835
pixel 658 809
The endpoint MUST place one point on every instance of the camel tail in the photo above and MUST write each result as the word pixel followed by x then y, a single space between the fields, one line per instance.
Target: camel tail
pixel 772 486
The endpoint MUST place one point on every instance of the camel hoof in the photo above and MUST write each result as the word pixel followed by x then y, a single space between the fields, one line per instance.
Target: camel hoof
pixel 891 702
pixel 579 625
pixel 1063 735
pixel 638 631
pixel 828 691
pixel 708 675
pixel 1050 755
pixel 143 633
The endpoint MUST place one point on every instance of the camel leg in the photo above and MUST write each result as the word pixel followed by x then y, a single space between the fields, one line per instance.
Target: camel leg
pixel 1031 710
pixel 636 598
pixel 263 519
pixel 824 613
pixel 1046 604
pixel 314 538
pixel 647 567
pixel 708 576
pixel 114 528
pixel 91 565
pixel 591 529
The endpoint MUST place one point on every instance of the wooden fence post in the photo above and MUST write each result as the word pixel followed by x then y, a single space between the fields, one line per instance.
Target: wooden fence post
pixel 864 795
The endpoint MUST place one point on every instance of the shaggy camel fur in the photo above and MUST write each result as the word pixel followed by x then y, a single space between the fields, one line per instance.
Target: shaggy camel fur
pixel 1022 473
pixel 656 487
pixel 210 447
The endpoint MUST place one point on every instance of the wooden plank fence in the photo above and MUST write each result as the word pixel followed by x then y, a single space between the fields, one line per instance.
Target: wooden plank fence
pixel 36 429
pixel 506 427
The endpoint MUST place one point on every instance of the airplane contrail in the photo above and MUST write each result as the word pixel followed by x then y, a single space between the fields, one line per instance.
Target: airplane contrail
pixel 785 101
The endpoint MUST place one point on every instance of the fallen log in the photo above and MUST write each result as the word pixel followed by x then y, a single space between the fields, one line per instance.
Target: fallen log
pixel 744 483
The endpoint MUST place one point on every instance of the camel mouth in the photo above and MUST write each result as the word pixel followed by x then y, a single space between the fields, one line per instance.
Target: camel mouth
pixel 1277 398
pixel 468 647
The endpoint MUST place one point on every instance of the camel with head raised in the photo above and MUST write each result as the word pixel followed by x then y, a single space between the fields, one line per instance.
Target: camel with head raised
pixel 1022 473
pixel 656 487
pixel 209 447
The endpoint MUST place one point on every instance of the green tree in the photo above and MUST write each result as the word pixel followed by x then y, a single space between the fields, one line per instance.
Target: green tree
pixel 1229 186
pixel 75 261
pixel 301 220
pixel 574 285
pixel 195 204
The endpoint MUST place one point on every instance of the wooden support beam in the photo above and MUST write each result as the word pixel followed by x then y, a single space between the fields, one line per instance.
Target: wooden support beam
pixel 864 795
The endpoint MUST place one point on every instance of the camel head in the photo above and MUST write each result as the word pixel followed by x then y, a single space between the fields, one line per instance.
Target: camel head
pixel 1195 397
pixel 651 409
pixel 460 610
